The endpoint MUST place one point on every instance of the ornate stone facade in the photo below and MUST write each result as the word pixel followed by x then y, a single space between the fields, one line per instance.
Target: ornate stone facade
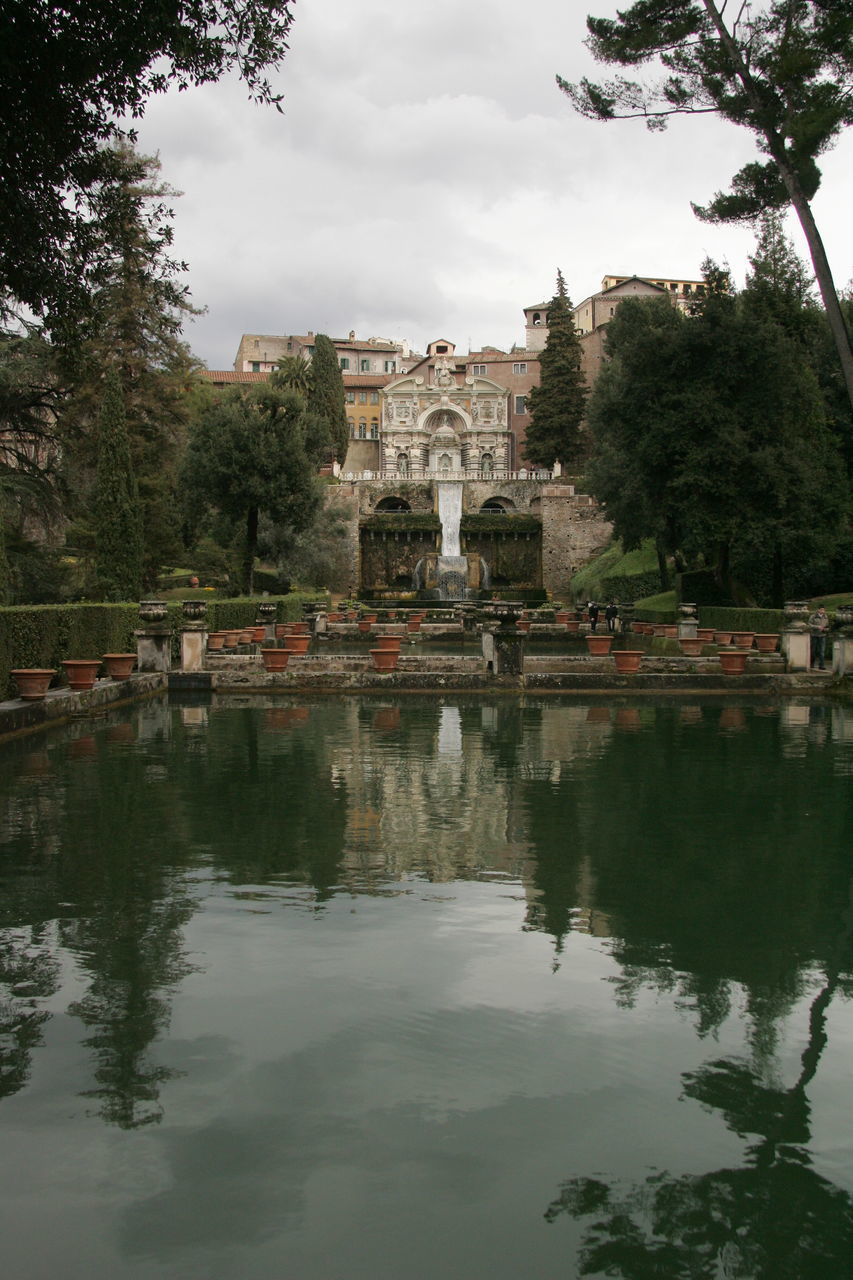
pixel 436 425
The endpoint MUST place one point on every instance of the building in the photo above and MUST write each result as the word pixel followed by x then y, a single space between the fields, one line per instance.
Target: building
pixel 260 353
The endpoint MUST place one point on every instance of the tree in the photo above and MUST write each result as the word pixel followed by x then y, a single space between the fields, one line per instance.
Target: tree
pixel 69 74
pixel 326 394
pixel 783 71
pixel 557 404
pixel 709 434
pixel 137 309
pixel 293 372
pixel 247 456
pixel 118 525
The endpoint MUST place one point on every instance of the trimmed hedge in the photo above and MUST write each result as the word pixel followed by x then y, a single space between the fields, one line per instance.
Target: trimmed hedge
pixel 42 635
pixel 491 522
pixel 402 522
pixel 659 608
pixel 763 621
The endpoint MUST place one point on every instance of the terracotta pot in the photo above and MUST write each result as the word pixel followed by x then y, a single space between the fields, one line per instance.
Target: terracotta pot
pixel 766 642
pixel 232 639
pixel 705 634
pixel 334 617
pixel 363 626
pixel 297 644
pixel 119 665
pixel 598 645
pixel 81 673
pixel 414 624
pixel 370 617
pixel 391 643
pixel 743 639
pixel 627 661
pixel 670 630
pixel 246 636
pixel 259 635
pixel 384 659
pixel 216 640
pixel 280 630
pixel 562 615
pixel 523 624
pixel 691 646
pixel 275 659
pixel 300 628
pixel 733 661
pixel 722 637
pixel 33 682
pixel 573 625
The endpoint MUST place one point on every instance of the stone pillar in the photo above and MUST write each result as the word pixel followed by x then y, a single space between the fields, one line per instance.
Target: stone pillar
pixel 688 621
pixel 193 647
pixel 842 653
pixel 153 650
pixel 796 647
pixel 503 652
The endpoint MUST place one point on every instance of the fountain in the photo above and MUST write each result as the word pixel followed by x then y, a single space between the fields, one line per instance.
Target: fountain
pixel 450 575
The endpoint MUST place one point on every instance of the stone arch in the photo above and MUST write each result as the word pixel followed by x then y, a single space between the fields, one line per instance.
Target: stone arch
pixel 392 503
pixel 498 503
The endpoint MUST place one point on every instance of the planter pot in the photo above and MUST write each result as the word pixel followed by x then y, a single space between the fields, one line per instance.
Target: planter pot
pixel 670 630
pixel 216 640
pixel 414 624
pixel 370 617
pixel 705 634
pixel 231 639
pixel 363 626
pixel 275 659
pixel 151 611
pixel 194 610
pixel 352 615
pixel 259 634
pixel 81 672
pixel 733 661
pixel 33 682
pixel 334 617
pixel 119 665
pixel 562 615
pixel 766 642
pixel 691 646
pixel 280 630
pixel 246 636
pixel 266 610
pixel 523 624
pixel 598 645
pixel 627 661
pixel 722 637
pixel 296 644
pixel 390 643
pixel 743 639
pixel 573 625
pixel 301 628
pixel 384 659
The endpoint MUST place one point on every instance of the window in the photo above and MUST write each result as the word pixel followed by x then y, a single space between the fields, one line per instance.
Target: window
pixel 374 428
pixel 310 350
pixel 349 396
pixel 441 348
pixel 362 428
pixel 290 346
pixel 257 344
pixel 344 362
pixel 362 397
pixel 389 366
pixel 537 319
pixel 519 368
pixel 256 366
pixel 374 397
pixel 351 426
pixel 674 288
pixel 364 366
pixel 478 368
pixel 521 404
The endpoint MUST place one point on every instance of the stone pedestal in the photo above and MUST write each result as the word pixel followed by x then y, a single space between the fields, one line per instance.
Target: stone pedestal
pixel 796 648
pixel 153 650
pixel 193 646
pixel 687 628
pixel 842 653
pixel 503 652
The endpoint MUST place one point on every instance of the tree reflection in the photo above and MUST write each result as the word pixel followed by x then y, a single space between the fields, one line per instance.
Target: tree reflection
pixel 775 1218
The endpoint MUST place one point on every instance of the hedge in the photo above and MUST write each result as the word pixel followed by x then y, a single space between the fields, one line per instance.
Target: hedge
pixel 763 621
pixel 42 635
pixel 493 522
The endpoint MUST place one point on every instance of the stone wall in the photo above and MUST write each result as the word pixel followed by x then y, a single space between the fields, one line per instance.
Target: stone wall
pixel 343 499
pixel 388 560
pixel 574 531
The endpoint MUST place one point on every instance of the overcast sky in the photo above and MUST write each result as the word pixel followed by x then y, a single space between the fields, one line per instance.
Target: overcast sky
pixel 427 179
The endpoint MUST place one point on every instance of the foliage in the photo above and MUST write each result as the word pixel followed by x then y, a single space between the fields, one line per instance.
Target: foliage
pixel 70 73
pixel 292 373
pixel 763 621
pixel 326 394
pixel 557 404
pixel 618 574
pixel 118 528
pixel 321 554
pixel 402 521
pixel 248 455
pixel 783 70
pixel 490 522
pixel 656 608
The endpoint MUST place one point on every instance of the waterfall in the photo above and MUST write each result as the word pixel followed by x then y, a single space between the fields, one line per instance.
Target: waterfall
pixel 450 515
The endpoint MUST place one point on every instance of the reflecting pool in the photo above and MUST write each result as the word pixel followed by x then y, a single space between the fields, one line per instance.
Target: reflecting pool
pixel 436 987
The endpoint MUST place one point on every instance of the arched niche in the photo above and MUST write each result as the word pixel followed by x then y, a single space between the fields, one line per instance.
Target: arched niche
pixel 498 504
pixel 392 503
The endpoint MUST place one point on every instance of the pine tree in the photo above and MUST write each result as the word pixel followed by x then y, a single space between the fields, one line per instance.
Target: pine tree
pixel 557 404
pixel 118 528
pixel 326 394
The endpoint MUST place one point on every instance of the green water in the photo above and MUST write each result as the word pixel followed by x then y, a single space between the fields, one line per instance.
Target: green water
pixel 435 988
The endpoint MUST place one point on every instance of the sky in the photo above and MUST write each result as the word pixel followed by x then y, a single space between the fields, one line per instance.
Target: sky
pixel 427 178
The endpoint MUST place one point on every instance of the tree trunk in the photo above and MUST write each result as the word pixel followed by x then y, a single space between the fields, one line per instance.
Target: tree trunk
pixel 663 569
pixel 250 549
pixel 776 149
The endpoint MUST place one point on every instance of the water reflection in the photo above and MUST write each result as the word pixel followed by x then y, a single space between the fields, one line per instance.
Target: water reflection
pixel 398 929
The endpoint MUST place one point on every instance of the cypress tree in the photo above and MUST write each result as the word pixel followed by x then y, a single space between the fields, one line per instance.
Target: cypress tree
pixel 557 404
pixel 326 394
pixel 118 524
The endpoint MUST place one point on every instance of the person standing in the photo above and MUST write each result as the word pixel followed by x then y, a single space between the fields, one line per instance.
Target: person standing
pixel 611 613
pixel 592 613
pixel 819 625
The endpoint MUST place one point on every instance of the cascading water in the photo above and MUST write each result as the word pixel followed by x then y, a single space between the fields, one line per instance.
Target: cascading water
pixel 452 566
